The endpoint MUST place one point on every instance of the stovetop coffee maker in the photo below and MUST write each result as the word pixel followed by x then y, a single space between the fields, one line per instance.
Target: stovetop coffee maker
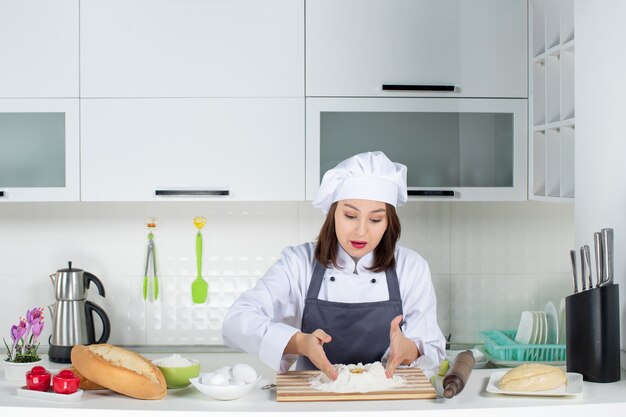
pixel 72 314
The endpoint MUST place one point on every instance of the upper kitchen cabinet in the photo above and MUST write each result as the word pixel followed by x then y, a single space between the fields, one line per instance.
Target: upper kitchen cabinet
pixel 551 100
pixel 455 149
pixel 192 48
pixel 39 150
pixel 38 48
pixel 199 148
pixel 438 48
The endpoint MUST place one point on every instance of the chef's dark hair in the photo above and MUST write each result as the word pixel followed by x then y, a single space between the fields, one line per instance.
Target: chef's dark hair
pixel 327 244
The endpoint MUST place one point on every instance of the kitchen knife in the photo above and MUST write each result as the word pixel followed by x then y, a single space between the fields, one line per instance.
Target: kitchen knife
pixel 587 261
pixel 607 246
pixel 572 255
pixel 597 244
pixel 583 268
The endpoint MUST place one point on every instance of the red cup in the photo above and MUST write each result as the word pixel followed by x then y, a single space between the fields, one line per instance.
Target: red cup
pixel 38 379
pixel 65 382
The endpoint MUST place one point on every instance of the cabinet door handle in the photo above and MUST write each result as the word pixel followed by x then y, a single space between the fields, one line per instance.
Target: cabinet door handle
pixel 193 193
pixel 431 193
pixel 417 87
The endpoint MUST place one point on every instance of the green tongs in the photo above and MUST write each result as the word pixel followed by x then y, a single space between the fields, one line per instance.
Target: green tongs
pixel 151 223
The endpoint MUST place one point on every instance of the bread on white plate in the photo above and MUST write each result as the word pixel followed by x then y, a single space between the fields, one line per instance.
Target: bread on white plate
pixel 531 377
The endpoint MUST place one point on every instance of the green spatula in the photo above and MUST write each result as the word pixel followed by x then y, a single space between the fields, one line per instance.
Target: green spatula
pixel 199 286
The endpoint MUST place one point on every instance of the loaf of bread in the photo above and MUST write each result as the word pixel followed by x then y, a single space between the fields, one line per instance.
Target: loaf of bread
pixel 120 370
pixel 533 377
pixel 85 383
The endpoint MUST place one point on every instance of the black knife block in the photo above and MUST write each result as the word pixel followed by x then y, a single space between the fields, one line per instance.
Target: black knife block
pixel 593 333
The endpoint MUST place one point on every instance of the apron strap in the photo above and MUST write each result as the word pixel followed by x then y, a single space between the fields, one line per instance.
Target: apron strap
pixel 392 284
pixel 316 281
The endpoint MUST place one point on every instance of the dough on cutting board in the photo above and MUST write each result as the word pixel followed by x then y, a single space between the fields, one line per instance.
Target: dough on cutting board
pixel 531 377
pixel 357 378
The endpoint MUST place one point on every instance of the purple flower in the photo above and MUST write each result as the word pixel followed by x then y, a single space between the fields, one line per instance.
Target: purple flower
pixel 24 336
pixel 17 332
pixel 34 316
pixel 35 322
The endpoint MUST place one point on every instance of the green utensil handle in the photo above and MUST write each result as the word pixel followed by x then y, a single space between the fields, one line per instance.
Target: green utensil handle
pixel 155 279
pixel 145 287
pixel 199 252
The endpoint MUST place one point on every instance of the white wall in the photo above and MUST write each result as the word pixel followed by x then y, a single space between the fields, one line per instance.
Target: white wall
pixel 489 261
pixel 600 83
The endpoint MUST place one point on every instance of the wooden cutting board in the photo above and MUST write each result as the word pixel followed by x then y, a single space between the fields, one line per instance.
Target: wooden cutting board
pixel 294 386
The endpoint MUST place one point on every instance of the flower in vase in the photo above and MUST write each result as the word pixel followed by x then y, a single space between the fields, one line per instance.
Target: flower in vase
pixel 24 336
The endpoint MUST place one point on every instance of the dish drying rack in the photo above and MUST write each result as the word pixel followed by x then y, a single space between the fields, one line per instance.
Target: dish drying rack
pixel 501 349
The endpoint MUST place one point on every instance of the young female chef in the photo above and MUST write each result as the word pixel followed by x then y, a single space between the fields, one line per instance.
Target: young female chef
pixel 353 296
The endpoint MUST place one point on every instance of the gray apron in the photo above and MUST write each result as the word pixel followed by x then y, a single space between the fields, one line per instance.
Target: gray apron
pixel 360 331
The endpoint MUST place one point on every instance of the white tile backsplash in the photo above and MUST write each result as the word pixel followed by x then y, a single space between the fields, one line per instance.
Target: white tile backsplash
pixel 489 261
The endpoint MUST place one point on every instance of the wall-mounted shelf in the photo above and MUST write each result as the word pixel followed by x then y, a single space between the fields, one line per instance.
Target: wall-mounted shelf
pixel 551 100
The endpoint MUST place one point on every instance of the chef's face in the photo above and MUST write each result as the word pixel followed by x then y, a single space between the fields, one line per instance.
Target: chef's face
pixel 360 225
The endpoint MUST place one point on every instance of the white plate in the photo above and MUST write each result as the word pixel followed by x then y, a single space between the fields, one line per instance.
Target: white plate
pixel 49 395
pixel 525 329
pixel 543 328
pixel 562 322
pixel 553 324
pixel 574 386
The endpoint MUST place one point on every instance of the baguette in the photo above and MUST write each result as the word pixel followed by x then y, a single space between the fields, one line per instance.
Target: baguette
pixel 533 377
pixel 120 370
pixel 85 383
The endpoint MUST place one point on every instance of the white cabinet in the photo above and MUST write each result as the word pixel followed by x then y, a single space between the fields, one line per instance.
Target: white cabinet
pixel 478 47
pixel 38 48
pixel 192 48
pixel 552 115
pixel 234 149
pixel 454 149
pixel 39 150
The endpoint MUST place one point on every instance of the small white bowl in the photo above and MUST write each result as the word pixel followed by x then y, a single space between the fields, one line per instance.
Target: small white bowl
pixel 223 392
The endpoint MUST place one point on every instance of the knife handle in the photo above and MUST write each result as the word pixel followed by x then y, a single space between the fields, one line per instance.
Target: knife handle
pixel 597 244
pixel 572 255
pixel 587 261
pixel 583 267
pixel 607 245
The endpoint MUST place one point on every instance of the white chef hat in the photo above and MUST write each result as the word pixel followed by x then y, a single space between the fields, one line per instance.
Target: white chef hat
pixel 366 176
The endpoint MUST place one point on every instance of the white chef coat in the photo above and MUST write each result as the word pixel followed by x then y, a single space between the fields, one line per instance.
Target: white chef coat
pixel 263 319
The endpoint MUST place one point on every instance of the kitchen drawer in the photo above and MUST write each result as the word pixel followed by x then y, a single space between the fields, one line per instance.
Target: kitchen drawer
pixel 478 47
pixel 225 149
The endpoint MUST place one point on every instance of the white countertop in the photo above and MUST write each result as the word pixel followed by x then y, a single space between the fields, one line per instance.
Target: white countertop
pixel 607 399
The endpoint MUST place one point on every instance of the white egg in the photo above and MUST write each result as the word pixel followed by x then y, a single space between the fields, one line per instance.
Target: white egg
pixel 227 371
pixel 206 378
pixel 244 372
pixel 218 379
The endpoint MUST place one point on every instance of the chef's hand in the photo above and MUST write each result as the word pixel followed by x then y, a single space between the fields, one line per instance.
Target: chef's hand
pixel 310 345
pixel 401 350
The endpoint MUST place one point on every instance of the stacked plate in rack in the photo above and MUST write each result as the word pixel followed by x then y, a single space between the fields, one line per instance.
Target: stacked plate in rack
pixel 539 327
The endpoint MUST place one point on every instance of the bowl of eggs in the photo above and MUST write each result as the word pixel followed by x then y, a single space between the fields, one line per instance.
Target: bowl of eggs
pixel 228 382
pixel 178 370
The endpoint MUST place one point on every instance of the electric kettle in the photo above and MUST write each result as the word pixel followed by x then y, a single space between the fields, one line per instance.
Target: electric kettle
pixel 72 314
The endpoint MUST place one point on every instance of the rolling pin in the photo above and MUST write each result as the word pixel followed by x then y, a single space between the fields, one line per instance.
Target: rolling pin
pixel 459 373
